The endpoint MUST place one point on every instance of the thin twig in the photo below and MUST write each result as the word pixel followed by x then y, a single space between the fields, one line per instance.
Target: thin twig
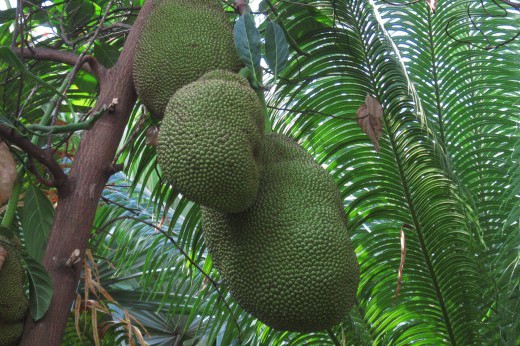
pixel 17 22
pixel 53 129
pixel 108 201
pixel 45 158
pixel 126 27
pixel 77 66
pixel 27 99
pixel 32 168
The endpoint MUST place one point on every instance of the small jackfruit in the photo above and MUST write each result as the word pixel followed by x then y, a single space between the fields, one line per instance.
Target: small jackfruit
pixel 10 333
pixel 209 140
pixel 288 260
pixel 13 302
pixel 180 41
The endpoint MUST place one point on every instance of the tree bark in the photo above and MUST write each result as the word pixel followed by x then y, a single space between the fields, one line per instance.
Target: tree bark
pixel 78 199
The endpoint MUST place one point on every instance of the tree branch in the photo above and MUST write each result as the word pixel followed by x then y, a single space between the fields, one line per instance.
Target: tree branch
pixel 60 178
pixel 83 125
pixel 87 178
pixel 88 63
pixel 34 171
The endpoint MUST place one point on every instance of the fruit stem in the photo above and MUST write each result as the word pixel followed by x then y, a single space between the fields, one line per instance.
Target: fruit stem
pixel 267 121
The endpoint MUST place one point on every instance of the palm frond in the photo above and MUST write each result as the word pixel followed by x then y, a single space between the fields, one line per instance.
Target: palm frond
pixel 405 185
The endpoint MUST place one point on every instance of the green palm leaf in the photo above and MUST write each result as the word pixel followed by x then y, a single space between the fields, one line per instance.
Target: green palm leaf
pixel 407 183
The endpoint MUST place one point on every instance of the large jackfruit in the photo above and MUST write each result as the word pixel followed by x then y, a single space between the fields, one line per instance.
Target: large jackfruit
pixel 288 259
pixel 10 333
pixel 13 302
pixel 180 41
pixel 209 141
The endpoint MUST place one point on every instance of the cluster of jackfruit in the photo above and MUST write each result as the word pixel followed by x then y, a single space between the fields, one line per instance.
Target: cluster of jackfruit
pixel 288 259
pixel 13 302
pixel 272 217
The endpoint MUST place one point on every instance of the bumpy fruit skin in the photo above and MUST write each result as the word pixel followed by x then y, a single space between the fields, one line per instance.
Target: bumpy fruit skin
pixel 288 259
pixel 225 75
pixel 10 333
pixel 13 302
pixel 180 41
pixel 209 141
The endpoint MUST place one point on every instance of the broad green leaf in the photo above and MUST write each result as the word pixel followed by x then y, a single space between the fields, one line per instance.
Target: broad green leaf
pixel 38 215
pixel 248 41
pixel 40 288
pixel 276 48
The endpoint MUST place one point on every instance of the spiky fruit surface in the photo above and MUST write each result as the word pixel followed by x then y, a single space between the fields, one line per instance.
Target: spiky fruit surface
pixel 13 302
pixel 288 259
pixel 180 41
pixel 209 140
pixel 225 75
pixel 10 333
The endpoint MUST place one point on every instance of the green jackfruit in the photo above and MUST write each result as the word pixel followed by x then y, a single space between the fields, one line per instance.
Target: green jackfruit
pixel 10 333
pixel 209 141
pixel 225 75
pixel 288 259
pixel 181 40
pixel 13 302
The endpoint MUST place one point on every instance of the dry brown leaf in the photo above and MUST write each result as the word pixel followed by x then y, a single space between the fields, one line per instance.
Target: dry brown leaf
pixel 432 4
pixel 369 116
pixel 7 173
pixel 401 264
pixel 77 313
pixel 152 136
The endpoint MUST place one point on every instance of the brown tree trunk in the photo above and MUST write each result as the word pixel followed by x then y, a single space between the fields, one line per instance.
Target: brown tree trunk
pixel 79 198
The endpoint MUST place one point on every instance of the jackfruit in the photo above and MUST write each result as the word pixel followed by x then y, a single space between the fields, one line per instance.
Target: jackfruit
pixel 209 140
pixel 225 75
pixel 13 302
pixel 10 333
pixel 288 260
pixel 180 41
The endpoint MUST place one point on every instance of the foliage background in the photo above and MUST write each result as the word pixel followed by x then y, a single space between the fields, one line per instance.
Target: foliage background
pixel 447 176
